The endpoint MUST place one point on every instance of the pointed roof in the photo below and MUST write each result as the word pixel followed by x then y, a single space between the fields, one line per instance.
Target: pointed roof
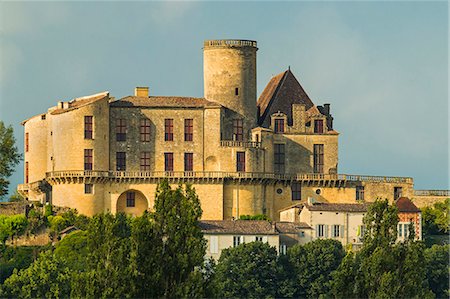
pixel 405 205
pixel 281 92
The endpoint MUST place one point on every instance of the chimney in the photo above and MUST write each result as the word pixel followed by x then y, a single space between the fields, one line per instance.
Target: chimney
pixel 141 92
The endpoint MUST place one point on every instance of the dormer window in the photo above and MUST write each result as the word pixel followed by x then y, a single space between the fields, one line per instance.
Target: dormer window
pixel 279 125
pixel 318 126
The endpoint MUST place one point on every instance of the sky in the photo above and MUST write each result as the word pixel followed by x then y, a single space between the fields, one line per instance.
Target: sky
pixel 383 66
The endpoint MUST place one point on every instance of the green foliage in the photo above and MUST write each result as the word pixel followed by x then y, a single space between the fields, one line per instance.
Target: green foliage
pixel 35 221
pixel 438 269
pixel 9 156
pixel 11 226
pixel 313 264
pixel 436 219
pixel 254 217
pixel 73 249
pixel 16 197
pixel 48 210
pixel 247 271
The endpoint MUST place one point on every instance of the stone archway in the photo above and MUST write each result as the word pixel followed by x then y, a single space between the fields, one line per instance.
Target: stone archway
pixel 132 202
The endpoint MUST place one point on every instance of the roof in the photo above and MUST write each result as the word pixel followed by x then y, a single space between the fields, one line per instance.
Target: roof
pixel 404 204
pixel 291 227
pixel 163 101
pixel 243 227
pixel 297 205
pixel 338 207
pixel 281 92
pixel 82 101
pixel 68 230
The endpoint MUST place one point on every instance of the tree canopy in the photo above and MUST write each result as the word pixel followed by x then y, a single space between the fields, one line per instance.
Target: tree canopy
pixel 9 156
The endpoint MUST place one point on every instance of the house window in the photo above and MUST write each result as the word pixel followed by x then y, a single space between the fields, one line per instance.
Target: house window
pixel 188 161
pixel 214 244
pixel 318 158
pixel 88 127
pixel 336 231
pixel 168 129
pixel 318 126
pixel 240 161
pixel 279 125
pixel 88 159
pixel 168 161
pixel 188 129
pixel 131 202
pixel 397 192
pixel 145 130
pixel 121 161
pixel 283 249
pixel 258 239
pixel 236 91
pixel 121 130
pixel 360 233
pixel 403 229
pixel 237 240
pixel 321 230
pixel 145 161
pixel 88 188
pixel 238 131
pixel 27 142
pixel 279 152
pixel 296 189
pixel 359 192
pixel 26 172
pixel 302 234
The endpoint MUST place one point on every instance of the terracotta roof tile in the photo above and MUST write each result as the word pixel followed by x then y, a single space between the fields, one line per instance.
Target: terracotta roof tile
pixel 163 101
pixel 338 207
pixel 404 204
pixel 244 227
pixel 80 102
pixel 291 227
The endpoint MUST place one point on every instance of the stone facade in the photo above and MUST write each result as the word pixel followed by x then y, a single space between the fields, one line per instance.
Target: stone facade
pixel 99 154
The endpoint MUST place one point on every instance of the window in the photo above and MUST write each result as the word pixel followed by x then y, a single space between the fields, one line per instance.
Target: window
pixel 403 229
pixel 302 234
pixel 27 142
pixel 283 249
pixel 236 91
pixel 237 240
pixel 43 116
pixel 88 127
pixel 318 126
pixel 279 152
pixel 360 233
pixel 168 129
pixel 26 172
pixel 121 161
pixel 121 130
pixel 238 131
pixel 359 192
pixel 88 188
pixel 145 161
pixel 240 161
pixel 188 161
pixel 321 230
pixel 397 192
pixel 279 125
pixel 296 189
pixel 88 159
pixel 258 239
pixel 131 202
pixel 145 130
pixel 336 231
pixel 168 161
pixel 188 129
pixel 400 230
pixel 214 244
pixel 318 158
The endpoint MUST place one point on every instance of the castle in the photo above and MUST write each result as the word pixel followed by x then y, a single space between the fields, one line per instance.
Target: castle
pixel 242 155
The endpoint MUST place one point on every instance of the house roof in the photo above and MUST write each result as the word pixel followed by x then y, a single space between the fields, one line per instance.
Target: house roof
pixel 163 101
pixel 286 227
pixel 243 227
pixel 404 204
pixel 297 205
pixel 338 207
pixel 281 92
pixel 82 101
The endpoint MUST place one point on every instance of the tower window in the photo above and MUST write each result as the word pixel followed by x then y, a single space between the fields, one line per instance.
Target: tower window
pixel 26 173
pixel 318 126
pixel 397 192
pixel 188 161
pixel 145 161
pixel 88 188
pixel 236 91
pixel 188 129
pixel 43 116
pixel 145 130
pixel 88 159
pixel 240 161
pixel 121 130
pixel 168 161
pixel 88 127
pixel 279 125
pixel 26 142
pixel 131 199
pixel 279 155
pixel 296 188
pixel 121 161
pixel 359 192
pixel 238 131
pixel 168 129
pixel 318 158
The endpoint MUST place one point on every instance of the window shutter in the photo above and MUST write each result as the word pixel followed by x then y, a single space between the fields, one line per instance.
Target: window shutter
pixel 241 239
pixel 341 232
pixel 326 231
pixel 214 244
pixel 317 230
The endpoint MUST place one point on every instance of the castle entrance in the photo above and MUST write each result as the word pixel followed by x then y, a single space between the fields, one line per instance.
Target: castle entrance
pixel 132 202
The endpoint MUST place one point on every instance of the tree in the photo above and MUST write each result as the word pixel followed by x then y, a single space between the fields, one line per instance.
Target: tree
pixel 437 268
pixel 16 197
pixel 73 249
pixel 313 264
pixel 247 271
pixel 436 219
pixel 9 156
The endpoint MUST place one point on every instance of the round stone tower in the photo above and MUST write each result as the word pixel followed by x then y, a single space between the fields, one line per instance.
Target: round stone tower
pixel 229 71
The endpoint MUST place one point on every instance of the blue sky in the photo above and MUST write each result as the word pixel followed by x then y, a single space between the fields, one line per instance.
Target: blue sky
pixel 383 66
